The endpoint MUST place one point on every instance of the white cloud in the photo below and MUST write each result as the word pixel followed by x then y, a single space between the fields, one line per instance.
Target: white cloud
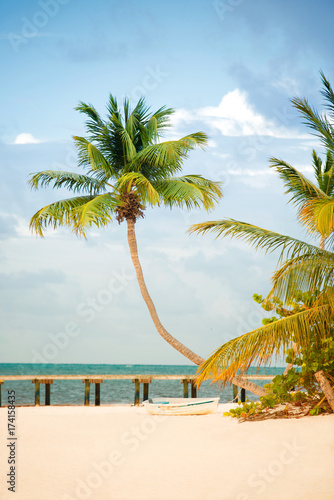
pixel 287 84
pixel 26 138
pixel 235 116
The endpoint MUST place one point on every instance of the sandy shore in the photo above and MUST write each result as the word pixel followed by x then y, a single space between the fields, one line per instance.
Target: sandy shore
pixel 122 453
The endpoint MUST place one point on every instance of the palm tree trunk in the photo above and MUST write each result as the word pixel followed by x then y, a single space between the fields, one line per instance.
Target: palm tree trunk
pixel 325 387
pixel 322 243
pixel 150 305
pixel 198 360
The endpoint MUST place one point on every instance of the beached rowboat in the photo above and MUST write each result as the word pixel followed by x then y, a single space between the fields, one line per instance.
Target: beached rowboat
pixel 181 406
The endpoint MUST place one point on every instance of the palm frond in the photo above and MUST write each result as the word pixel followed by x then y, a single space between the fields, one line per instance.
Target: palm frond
pixel 57 214
pixel 319 124
pixel 95 124
pixel 70 180
pixel 112 108
pixel 296 183
pixel 141 111
pixel 257 237
pixel 90 157
pixel 318 215
pixel 97 211
pixel 259 346
pixel 306 272
pixel 190 191
pixel 167 156
pixel 317 165
pixel 162 120
pixel 138 182
pixel 327 179
pixel 328 94
pixel 129 150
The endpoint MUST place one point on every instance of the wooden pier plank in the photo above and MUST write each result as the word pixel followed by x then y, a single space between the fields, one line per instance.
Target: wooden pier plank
pixel 94 378
pixel 137 379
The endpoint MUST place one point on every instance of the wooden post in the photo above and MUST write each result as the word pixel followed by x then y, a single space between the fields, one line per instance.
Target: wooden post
pixel 185 387
pixel 1 382
pixel 37 392
pixel 97 392
pixel 145 381
pixel 47 383
pixel 145 395
pixel 235 393
pixel 137 391
pixel 243 395
pixel 87 391
pixel 47 394
pixel 193 390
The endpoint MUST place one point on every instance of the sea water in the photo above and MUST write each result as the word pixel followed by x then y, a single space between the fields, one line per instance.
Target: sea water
pixel 71 392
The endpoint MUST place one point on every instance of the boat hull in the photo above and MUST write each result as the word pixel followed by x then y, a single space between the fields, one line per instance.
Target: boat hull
pixel 181 406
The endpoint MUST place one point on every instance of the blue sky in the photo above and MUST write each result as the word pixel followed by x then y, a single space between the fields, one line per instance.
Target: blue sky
pixel 227 67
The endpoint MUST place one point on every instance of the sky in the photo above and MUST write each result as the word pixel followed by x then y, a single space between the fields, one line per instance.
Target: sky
pixel 228 68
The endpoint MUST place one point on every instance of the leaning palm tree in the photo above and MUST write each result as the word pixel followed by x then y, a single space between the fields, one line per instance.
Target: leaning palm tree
pixel 301 266
pixel 127 169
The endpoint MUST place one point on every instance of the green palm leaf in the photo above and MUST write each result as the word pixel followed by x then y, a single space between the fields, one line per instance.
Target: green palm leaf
pixel 57 214
pixel 318 216
pixel 138 182
pixel 259 346
pixel 256 236
pixel 191 191
pixel 90 157
pixel 326 181
pixel 307 272
pixel 167 156
pixel 97 211
pixel 320 124
pixel 70 180
pixel 296 183
pixel 328 94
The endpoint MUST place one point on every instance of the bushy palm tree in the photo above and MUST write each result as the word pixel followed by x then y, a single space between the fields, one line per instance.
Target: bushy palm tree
pixel 304 192
pixel 301 266
pixel 127 169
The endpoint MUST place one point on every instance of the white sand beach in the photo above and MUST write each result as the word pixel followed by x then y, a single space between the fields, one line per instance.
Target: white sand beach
pixel 122 453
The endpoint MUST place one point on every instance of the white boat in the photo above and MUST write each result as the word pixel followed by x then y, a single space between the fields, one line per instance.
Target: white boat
pixel 181 406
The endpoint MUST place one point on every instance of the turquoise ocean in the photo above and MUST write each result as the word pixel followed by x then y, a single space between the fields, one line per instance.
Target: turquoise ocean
pixel 67 392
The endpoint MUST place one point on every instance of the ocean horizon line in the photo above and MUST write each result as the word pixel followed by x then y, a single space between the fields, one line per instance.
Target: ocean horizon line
pixel 120 364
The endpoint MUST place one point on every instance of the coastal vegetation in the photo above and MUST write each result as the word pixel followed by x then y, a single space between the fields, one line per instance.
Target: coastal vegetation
pixel 302 292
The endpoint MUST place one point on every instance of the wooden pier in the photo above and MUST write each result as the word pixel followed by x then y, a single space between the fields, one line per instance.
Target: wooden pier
pixel 97 380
